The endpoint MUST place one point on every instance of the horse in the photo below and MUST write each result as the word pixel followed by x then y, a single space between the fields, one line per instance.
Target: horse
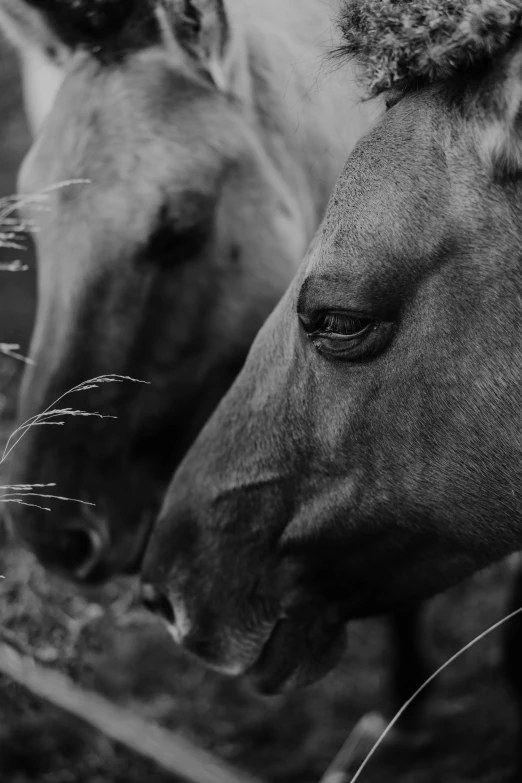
pixel 368 454
pixel 200 154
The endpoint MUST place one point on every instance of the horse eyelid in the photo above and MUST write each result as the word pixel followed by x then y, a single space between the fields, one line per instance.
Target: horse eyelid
pixel 316 327
pixel 354 349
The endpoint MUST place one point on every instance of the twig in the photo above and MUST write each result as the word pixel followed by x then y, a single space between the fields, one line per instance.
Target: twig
pixel 369 725
pixel 12 639
pixel 175 754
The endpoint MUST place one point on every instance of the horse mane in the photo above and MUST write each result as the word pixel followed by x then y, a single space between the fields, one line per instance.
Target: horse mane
pixel 398 44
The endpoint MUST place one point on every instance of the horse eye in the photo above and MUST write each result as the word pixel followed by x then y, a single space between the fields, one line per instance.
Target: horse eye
pixel 339 325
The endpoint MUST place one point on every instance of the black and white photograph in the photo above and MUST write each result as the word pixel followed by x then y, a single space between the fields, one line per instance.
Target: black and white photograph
pixel 260 391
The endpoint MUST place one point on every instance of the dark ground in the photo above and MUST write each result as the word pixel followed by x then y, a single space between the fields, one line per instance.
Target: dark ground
pixel 468 731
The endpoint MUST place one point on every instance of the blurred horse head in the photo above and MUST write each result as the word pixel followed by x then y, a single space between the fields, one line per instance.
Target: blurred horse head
pixel 369 452
pixel 199 158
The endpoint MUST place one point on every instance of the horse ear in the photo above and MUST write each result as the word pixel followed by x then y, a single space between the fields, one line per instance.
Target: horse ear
pixel 42 56
pixel 501 124
pixel 202 28
pixel 28 27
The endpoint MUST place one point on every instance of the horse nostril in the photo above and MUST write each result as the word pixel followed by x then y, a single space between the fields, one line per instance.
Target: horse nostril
pixel 157 602
pixel 80 550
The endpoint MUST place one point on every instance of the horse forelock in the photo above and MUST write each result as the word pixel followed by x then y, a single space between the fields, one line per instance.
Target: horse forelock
pixel 399 44
pixel 98 24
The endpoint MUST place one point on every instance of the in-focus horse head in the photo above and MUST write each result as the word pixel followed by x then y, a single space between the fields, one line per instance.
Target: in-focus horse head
pixel 369 453
pixel 173 240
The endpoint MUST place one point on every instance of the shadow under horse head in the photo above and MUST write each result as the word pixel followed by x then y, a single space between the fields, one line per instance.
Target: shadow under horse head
pixel 199 156
pixel 369 453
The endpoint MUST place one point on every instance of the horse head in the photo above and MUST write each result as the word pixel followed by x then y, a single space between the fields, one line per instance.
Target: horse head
pixel 165 233
pixel 369 453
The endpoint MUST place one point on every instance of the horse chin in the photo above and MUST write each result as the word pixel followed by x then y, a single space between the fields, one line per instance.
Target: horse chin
pixel 295 657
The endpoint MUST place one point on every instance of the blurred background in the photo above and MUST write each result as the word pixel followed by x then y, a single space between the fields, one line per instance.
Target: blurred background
pixel 467 732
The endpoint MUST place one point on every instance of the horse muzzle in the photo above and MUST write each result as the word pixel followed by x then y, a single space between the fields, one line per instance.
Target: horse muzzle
pixel 294 652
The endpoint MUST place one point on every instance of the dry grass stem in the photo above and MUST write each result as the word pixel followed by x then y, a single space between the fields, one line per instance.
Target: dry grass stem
pixel 18 494
pixel 13 229
pixel 13 266
pixel 13 351
pixel 332 774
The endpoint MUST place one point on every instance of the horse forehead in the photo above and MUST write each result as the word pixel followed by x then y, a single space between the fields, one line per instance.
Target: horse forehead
pixel 391 201
pixel 108 121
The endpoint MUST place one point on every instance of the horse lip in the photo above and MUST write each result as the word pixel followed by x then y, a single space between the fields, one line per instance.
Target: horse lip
pixel 276 669
pixel 286 662
pixel 262 674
